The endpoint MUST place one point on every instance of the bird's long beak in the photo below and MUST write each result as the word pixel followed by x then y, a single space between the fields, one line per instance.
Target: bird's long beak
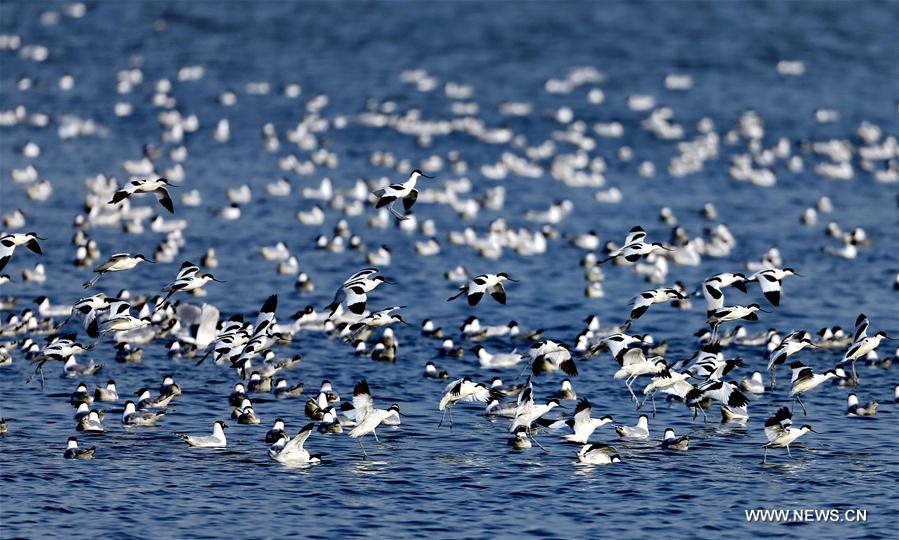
pixel 218 280
pixel 389 281
pixel 39 238
pixel 225 426
pixel 512 280
pixel 764 310
pixel 426 176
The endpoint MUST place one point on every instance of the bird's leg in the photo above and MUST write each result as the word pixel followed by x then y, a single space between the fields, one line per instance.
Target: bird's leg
pixel 442 418
pixel 801 404
pixel 395 213
pixel 451 416
pixel 788 452
pixel 765 458
pixel 364 455
pixel 633 395
pixel 653 396
pixel 704 415
pixel 540 446
pixel 773 371
pixel 695 411
pixel 375 433
pixel 854 374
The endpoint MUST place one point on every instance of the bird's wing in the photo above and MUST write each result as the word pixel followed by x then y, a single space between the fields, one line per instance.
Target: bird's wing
pixel 267 313
pixel 355 298
pixel 297 441
pixel 637 234
pixel 801 373
pixel 582 412
pixel 361 274
pixel 362 401
pixel 165 199
pixel 778 424
pixel 769 283
pixel 861 328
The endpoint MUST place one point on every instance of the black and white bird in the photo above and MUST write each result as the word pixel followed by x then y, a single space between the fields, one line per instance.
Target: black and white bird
pixel 462 390
pixel 188 279
pixel 216 440
pixel 770 282
pixel 527 411
pixel 9 242
pixel 405 191
pixel 157 187
pixel 672 443
pixel 789 345
pixel 367 417
pixel 862 344
pixel 647 298
pixel 804 380
pixel 854 408
pixel 117 263
pixel 292 452
pixel 780 433
pixel 634 363
pixel 73 452
pixel 634 248
pixel 721 391
pixel 485 283
pixel 713 289
pixel 582 423
pixel 548 356
pixel 275 433
pixel 377 319
pixel 732 313
pixel 598 454
pixel 353 294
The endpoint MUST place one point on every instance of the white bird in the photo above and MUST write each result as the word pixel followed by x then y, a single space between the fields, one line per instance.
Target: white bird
pixel 216 440
pixel 117 263
pixel 780 433
pixel 9 242
pixel 157 187
pixel 133 417
pixel 497 360
pixel 754 384
pixel 367 417
pixel 485 283
pixel 598 454
pixel 770 282
pixel 805 380
pixel 461 391
pixel 291 452
pixel 639 431
pixel 405 191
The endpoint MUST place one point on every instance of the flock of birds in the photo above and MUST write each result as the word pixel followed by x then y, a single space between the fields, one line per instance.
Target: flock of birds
pixel 249 349
pixel 48 334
